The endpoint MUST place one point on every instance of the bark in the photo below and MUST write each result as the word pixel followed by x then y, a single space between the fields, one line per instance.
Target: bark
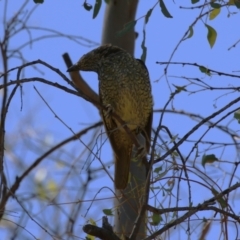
pixel 130 201
pixel 117 14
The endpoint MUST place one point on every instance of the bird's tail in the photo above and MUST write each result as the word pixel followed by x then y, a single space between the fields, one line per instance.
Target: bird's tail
pixel 122 166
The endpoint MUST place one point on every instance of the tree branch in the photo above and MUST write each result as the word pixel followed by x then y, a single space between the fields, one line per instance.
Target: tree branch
pixel 79 82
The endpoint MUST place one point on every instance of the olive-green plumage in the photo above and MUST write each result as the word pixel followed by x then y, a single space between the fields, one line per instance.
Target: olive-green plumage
pixel 124 86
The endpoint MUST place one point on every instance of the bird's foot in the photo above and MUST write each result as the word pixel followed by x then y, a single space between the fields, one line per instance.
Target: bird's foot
pixel 141 152
pixel 109 110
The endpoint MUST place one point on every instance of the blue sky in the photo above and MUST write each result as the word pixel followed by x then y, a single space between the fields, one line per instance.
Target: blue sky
pixel 38 122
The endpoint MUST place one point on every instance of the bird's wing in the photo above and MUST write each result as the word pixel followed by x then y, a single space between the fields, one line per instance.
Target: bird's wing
pixel 110 126
pixel 122 147
pixel 148 128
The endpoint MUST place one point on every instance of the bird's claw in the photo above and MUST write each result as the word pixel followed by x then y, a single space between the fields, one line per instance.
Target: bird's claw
pixel 109 110
pixel 141 152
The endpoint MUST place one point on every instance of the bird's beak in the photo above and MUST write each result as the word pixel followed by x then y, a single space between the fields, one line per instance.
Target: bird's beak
pixel 73 68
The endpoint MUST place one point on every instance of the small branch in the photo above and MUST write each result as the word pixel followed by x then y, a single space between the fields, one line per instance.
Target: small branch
pixel 200 207
pixel 18 180
pixel 56 70
pixel 42 80
pixel 205 120
pixel 184 167
pixel 3 186
pixel 198 65
pixel 234 45
pixel 201 14
pixel 79 82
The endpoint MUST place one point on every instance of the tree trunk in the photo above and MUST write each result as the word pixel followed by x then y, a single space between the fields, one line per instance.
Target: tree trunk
pixel 128 202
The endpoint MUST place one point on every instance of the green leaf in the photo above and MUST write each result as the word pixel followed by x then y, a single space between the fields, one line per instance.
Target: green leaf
pixel 107 1
pixel 215 5
pixel 205 70
pixel 214 13
pixel 163 174
pixel 157 170
pixel 197 151
pixel 126 28
pixel 204 219
pixel 237 115
pixel 234 2
pixel 153 188
pixel 108 212
pixel 174 137
pixel 97 7
pixel 212 35
pixel 41 191
pixel 38 1
pixel 221 201
pixel 90 237
pixel 148 15
pixel 92 221
pixel 164 9
pixel 174 154
pixel 190 30
pixel 156 219
pixel 144 48
pixel 87 6
pixel 208 159
pixel 51 188
pixel 194 1
pixel 237 3
pixel 180 88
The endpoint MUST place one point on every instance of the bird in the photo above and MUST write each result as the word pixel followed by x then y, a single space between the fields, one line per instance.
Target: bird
pixel 124 89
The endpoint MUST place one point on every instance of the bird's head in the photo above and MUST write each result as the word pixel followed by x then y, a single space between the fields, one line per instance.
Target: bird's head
pixel 93 60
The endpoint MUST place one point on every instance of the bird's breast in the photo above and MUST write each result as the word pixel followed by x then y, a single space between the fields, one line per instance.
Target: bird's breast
pixel 131 102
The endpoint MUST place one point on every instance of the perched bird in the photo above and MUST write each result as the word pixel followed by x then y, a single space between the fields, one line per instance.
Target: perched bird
pixel 124 88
